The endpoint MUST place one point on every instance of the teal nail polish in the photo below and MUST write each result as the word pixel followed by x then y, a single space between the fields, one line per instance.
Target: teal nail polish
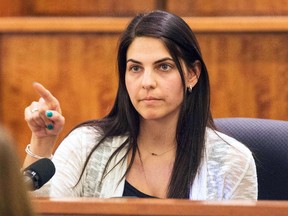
pixel 49 113
pixel 50 126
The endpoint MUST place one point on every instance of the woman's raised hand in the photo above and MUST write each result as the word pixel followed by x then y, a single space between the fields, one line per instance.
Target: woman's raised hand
pixel 44 116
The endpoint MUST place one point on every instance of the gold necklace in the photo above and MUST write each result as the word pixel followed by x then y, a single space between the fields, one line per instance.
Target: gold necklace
pixel 157 155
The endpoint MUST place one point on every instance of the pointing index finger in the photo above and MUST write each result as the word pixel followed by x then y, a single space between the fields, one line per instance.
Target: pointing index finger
pixel 51 101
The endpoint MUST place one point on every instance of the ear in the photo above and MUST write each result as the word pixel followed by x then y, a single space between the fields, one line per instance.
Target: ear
pixel 193 74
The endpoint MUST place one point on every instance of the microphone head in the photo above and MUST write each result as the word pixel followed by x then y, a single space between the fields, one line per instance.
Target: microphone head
pixel 40 172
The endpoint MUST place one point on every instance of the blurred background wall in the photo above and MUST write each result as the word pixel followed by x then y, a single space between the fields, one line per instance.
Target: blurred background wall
pixel 70 47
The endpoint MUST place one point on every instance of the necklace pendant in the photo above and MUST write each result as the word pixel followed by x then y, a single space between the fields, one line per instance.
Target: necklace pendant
pixel 154 154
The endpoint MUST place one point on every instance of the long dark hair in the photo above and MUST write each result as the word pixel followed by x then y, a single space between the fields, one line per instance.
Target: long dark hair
pixel 195 113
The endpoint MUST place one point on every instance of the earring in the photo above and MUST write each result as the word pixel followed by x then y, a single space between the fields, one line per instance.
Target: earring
pixel 190 88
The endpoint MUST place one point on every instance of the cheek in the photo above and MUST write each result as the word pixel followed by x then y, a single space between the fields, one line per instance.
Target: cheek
pixel 129 86
pixel 174 91
pixel 174 86
pixel 178 94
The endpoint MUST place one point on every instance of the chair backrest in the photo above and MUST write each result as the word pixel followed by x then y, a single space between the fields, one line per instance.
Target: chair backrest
pixel 268 141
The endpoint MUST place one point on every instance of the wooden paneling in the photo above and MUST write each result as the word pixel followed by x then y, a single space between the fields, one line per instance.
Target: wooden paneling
pixel 228 7
pixel 130 8
pixel 248 74
pixel 14 8
pixel 78 69
pixel 248 68
pixel 91 7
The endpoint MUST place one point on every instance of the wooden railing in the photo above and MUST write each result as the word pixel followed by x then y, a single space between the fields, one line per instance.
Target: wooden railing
pixel 112 24
pixel 159 207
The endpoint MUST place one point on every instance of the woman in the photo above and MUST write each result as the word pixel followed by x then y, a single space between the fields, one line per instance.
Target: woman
pixel 159 139
pixel 14 200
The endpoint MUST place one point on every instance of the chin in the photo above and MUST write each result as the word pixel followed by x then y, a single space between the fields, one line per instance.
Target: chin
pixel 151 116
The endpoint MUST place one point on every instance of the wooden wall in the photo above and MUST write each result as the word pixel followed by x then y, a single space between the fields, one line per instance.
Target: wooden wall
pixel 128 8
pixel 71 49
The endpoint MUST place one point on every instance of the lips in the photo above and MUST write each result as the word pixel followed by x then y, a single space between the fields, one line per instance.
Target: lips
pixel 150 100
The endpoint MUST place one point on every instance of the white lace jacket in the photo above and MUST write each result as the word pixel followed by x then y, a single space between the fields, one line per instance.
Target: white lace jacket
pixel 227 171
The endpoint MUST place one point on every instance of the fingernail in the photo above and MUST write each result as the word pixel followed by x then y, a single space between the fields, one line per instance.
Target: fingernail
pixel 50 126
pixel 49 113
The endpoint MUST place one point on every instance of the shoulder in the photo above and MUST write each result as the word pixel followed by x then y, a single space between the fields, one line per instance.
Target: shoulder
pixel 228 160
pixel 226 155
pixel 220 145
pixel 230 164
pixel 83 139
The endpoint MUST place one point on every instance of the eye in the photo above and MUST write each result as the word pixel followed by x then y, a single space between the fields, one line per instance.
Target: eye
pixel 165 67
pixel 134 68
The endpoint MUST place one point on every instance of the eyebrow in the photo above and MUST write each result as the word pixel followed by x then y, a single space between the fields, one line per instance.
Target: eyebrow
pixel 156 62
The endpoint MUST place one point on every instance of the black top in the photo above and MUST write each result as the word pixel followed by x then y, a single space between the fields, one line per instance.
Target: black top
pixel 131 191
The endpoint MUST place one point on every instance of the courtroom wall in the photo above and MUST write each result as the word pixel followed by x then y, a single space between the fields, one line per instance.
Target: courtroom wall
pixel 247 65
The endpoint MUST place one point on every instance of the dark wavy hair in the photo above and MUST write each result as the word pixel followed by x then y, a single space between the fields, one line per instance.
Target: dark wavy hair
pixel 195 113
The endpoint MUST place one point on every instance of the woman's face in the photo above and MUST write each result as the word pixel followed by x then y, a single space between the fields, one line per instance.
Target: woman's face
pixel 152 79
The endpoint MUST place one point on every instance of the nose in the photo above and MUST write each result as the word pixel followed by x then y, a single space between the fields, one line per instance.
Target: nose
pixel 149 79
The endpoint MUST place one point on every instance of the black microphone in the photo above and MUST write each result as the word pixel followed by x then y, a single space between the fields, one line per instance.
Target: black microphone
pixel 38 173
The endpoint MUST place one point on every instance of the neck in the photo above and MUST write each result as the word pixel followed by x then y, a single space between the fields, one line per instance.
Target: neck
pixel 156 137
pixel 154 132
